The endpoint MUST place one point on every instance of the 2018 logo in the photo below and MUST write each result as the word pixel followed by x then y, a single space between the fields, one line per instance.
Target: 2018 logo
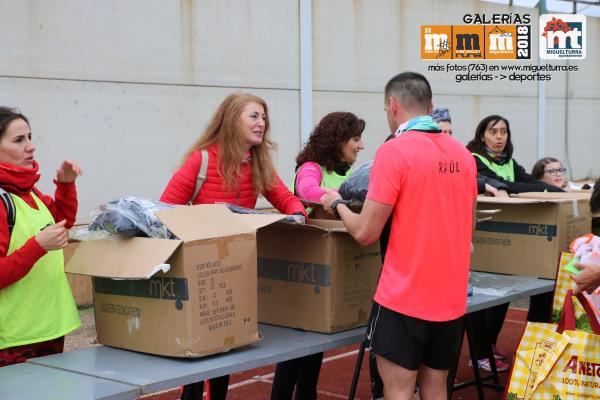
pixel 504 42
pixel 562 36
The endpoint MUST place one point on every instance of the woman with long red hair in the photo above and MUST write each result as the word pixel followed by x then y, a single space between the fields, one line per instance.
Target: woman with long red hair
pixel 240 168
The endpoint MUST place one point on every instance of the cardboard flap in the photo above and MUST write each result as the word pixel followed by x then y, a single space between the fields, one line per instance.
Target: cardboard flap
pixel 488 212
pixel 203 221
pixel 256 221
pixel 332 225
pixel 554 196
pixel 510 200
pixel 485 215
pixel 131 258
pixel 321 225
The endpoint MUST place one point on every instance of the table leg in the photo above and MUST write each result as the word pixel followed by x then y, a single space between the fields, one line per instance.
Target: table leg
pixel 359 359
pixel 473 354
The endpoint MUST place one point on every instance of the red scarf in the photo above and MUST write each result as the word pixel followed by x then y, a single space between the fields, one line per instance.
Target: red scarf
pixel 18 180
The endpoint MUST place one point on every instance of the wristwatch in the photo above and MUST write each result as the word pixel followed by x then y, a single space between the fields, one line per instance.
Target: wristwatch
pixel 336 203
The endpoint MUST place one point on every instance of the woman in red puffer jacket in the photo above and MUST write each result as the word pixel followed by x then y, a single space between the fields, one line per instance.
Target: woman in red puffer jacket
pixel 240 168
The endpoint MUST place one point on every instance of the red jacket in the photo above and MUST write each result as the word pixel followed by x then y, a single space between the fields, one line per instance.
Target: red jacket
pixel 20 181
pixel 183 182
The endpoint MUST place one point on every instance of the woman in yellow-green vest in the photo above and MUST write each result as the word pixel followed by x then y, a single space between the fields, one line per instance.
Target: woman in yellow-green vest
pixel 493 149
pixel 36 304
pixel 323 163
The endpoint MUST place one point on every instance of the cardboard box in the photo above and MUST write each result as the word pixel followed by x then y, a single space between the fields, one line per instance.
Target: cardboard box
pixel 318 212
pixel 315 277
pixel 529 233
pixel 81 286
pixel 182 298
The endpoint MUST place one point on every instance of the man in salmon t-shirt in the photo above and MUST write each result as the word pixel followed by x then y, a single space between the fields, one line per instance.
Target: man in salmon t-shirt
pixel 427 182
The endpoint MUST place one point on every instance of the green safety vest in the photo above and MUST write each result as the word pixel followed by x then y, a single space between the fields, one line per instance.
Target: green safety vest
pixel 330 180
pixel 40 306
pixel 333 180
pixel 505 171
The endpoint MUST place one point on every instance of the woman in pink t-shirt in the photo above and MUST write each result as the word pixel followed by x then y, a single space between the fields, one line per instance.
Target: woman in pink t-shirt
pixel 323 163
pixel 328 155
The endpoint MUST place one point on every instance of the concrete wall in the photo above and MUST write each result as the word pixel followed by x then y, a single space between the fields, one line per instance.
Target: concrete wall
pixel 124 86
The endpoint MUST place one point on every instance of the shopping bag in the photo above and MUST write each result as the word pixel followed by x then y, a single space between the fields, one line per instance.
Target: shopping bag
pixel 557 362
pixel 563 284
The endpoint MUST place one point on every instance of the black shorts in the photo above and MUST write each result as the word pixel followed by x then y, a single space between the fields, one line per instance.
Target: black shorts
pixel 410 342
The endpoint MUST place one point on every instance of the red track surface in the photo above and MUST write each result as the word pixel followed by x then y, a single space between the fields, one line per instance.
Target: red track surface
pixel 338 367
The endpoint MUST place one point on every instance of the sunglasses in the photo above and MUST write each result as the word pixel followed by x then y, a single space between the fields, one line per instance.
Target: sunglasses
pixel 556 171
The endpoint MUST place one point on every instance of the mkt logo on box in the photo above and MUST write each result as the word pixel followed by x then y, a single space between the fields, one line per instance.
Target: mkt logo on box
pixel 562 36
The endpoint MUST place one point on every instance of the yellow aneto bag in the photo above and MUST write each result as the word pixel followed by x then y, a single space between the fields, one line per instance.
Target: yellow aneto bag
pixel 557 362
pixel 563 284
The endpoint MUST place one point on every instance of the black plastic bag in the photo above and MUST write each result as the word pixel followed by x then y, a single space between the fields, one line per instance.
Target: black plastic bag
pixel 132 216
pixel 356 186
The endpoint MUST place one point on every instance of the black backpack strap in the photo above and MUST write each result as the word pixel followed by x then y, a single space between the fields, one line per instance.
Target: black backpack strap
pixel 11 212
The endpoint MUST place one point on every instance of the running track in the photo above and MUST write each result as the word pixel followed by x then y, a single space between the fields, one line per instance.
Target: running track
pixel 338 367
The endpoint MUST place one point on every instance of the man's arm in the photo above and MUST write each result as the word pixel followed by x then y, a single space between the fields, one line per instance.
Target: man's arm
pixel 365 227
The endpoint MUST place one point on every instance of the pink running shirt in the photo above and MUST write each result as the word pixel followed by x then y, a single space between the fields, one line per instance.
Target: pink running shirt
pixel 430 179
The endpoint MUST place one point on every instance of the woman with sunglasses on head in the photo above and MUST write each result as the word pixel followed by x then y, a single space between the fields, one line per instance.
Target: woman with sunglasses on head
pixel 551 171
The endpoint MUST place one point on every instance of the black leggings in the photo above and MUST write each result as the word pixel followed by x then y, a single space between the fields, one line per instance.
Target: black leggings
pixel 492 319
pixel 218 389
pixel 540 309
pixel 303 373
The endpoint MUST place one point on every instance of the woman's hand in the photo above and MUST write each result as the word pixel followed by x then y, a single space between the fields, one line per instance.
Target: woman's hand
pixel 328 198
pixel 588 279
pixel 68 172
pixel 492 191
pixel 501 193
pixel 53 237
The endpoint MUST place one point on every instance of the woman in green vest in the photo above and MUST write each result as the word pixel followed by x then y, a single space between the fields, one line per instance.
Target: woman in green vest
pixel 36 304
pixel 324 162
pixel 493 150
pixel 326 159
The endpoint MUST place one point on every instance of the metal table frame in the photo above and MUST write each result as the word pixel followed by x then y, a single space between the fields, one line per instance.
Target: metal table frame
pixel 153 373
pixel 526 287
pixel 127 374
